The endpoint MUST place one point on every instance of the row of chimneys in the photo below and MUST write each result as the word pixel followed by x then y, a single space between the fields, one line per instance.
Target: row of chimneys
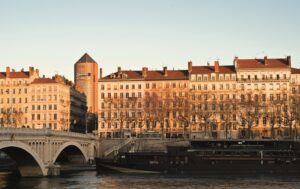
pixel 31 71
pixel 144 71
pixel 216 66
pixel 190 66
pixel 288 59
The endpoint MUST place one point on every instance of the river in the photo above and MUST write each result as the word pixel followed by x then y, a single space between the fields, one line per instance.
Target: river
pixel 90 179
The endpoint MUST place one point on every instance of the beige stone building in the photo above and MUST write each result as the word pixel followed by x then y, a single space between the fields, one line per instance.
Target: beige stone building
pixel 251 98
pixel 28 100
pixel 130 102
pixel 15 97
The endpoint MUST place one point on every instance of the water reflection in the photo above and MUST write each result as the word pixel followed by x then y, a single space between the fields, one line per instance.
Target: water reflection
pixel 90 179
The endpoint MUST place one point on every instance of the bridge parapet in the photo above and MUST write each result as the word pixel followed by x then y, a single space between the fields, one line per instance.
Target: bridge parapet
pixel 44 132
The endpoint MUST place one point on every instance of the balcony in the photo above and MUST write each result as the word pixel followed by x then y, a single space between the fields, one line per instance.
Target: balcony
pixel 246 80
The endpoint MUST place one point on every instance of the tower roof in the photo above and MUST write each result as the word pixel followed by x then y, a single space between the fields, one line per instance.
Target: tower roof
pixel 86 58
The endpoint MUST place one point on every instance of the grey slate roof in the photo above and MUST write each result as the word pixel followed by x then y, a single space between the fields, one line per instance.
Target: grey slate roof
pixel 86 58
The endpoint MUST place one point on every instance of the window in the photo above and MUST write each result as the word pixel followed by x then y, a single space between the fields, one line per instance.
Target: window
pixel 242 86
pixel 213 87
pixel 278 96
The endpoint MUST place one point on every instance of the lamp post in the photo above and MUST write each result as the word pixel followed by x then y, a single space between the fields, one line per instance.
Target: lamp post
pixel 86 122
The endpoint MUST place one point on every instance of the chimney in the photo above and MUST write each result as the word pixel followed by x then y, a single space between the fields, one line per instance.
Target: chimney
pixel 13 70
pixel 119 69
pixel 265 60
pixel 144 72
pixel 217 66
pixel 31 71
pixel 7 71
pixel 235 60
pixel 22 70
pixel 190 65
pixel 288 59
pixel 37 72
pixel 43 76
pixel 165 71
pixel 100 73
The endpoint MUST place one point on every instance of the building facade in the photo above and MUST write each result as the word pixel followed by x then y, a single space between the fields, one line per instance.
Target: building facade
pixel 30 101
pixel 253 98
pixel 15 97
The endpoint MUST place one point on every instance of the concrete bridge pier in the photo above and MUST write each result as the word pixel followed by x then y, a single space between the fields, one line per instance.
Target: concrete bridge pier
pixel 53 170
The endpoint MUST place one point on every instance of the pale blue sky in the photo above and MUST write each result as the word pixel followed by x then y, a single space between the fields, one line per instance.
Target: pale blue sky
pixel 53 35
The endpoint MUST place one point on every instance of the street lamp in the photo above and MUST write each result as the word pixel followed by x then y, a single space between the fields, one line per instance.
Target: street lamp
pixel 86 121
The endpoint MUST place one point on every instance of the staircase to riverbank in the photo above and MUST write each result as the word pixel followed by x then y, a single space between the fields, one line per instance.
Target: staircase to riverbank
pixel 114 150
pixel 111 148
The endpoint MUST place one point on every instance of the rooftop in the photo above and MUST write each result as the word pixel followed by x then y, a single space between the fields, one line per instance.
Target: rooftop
pixel 86 58
pixel 263 63
pixel 15 75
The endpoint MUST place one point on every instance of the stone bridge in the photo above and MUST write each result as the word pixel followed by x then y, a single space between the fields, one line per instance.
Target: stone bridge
pixel 37 151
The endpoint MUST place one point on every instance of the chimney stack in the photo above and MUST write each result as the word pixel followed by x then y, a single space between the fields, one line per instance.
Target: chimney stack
pixel 119 69
pixel 13 70
pixel 190 65
pixel 265 60
pixel 100 73
pixel 235 60
pixel 37 72
pixel 144 72
pixel 217 66
pixel 165 71
pixel 288 59
pixel 7 71
pixel 31 71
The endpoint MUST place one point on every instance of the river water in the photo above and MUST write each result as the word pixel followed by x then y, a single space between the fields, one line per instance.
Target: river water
pixel 90 179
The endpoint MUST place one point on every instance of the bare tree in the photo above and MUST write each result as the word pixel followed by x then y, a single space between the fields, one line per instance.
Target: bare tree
pixel 12 117
pixel 250 112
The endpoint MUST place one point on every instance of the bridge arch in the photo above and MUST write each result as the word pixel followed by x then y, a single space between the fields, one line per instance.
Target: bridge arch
pixel 28 161
pixel 67 145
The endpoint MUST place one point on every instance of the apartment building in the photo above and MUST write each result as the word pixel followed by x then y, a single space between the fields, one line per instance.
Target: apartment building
pixel 31 101
pixel 251 98
pixel 15 97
